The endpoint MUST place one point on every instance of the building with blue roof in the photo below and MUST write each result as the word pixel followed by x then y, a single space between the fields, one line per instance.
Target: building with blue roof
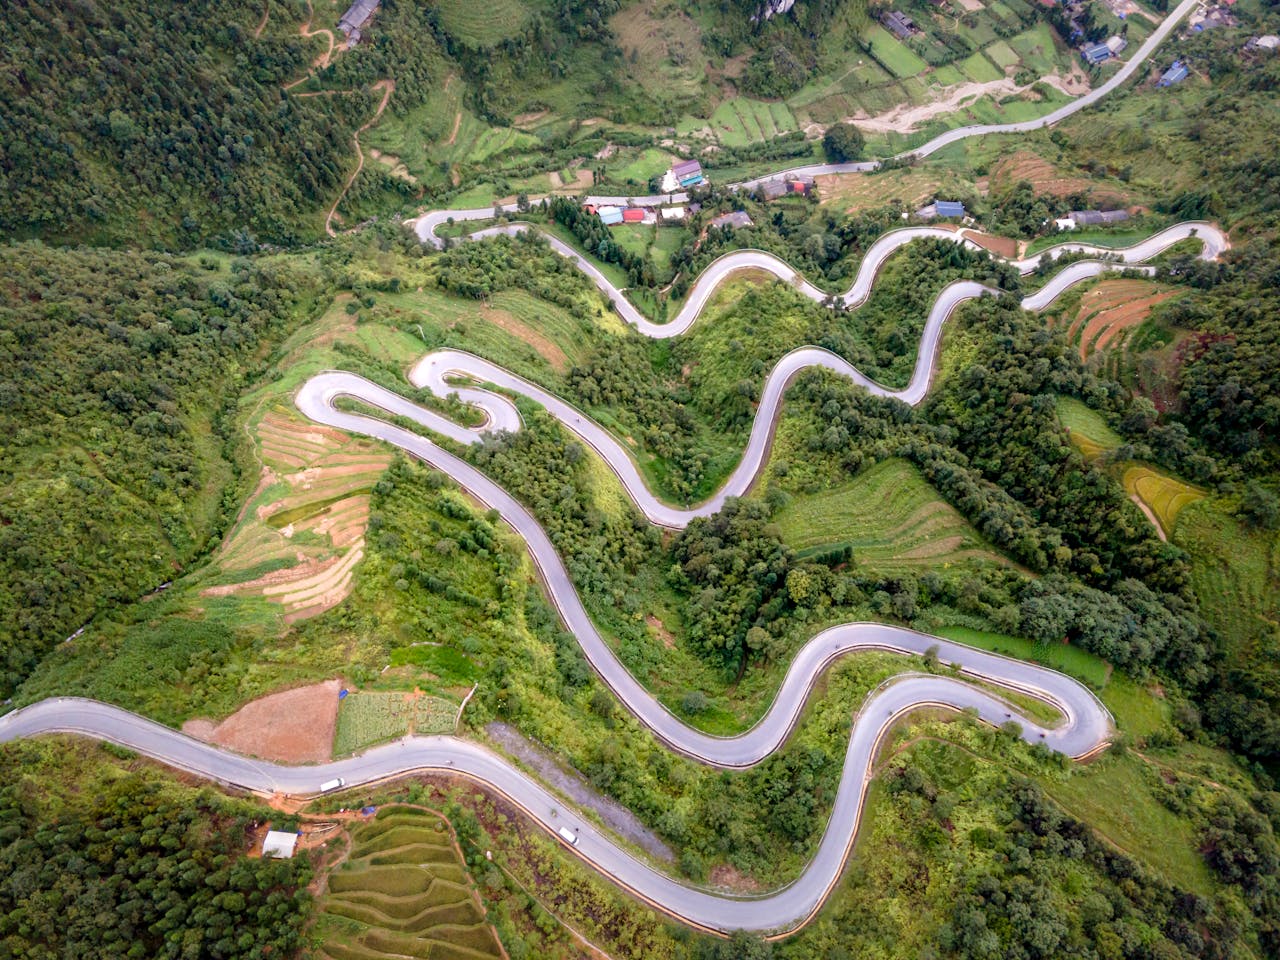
pixel 1175 74
pixel 1096 54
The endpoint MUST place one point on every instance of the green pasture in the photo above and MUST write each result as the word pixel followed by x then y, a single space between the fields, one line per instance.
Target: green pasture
pixel 977 67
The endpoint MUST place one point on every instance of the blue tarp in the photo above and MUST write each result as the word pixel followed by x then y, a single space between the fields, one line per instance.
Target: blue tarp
pixel 342 694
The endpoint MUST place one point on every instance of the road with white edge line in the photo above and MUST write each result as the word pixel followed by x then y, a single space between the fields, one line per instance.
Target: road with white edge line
pixel 427 224
pixel 439 370
pixel 1086 725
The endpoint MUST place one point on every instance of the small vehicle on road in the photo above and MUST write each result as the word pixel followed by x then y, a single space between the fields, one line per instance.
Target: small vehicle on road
pixel 337 783
pixel 568 836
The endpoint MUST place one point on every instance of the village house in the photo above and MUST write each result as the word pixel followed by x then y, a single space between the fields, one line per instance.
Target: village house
pixel 735 221
pixel 1175 74
pixel 901 25
pixel 945 209
pixel 1094 218
pixel 353 22
pixel 682 175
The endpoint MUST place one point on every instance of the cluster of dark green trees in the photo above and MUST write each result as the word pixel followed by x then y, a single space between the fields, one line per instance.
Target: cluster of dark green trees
pixel 525 261
pixel 136 867
pixel 123 123
pixel 116 370
pixel 1012 907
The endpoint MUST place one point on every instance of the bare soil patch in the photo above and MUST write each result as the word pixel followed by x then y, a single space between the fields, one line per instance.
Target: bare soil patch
pixel 1001 246
pixel 906 117
pixel 524 119
pixel 394 165
pixel 660 631
pixel 726 877
pixel 292 726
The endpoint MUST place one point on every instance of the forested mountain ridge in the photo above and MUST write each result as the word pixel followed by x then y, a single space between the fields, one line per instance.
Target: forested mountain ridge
pixel 115 450
pixel 167 125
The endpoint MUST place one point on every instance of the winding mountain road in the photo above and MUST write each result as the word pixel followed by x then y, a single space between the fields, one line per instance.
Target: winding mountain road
pixel 1086 726
pixel 1086 729
pixel 438 371
pixel 427 224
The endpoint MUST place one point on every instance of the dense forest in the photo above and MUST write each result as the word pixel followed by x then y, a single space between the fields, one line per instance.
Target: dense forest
pixel 123 123
pixel 116 372
pixel 98 860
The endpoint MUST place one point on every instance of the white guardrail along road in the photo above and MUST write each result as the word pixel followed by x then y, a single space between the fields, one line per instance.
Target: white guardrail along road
pixel 1086 725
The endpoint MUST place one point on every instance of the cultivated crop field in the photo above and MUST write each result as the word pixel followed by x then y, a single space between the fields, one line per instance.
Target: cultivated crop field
pixel 1089 432
pixel 482 24
pixel 403 892
pixel 1163 494
pixel 302 534
pixel 1108 313
pixel 891 517
pixel 367 718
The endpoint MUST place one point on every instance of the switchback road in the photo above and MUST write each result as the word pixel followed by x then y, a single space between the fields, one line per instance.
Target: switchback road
pixel 438 371
pixel 427 224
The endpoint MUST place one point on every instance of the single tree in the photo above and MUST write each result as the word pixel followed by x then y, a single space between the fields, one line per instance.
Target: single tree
pixel 842 142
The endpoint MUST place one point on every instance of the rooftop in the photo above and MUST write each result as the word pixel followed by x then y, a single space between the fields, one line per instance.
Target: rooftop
pixel 279 844
pixel 738 219
pixel 357 14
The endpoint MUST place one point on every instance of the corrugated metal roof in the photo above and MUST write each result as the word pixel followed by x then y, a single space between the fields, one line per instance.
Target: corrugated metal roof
pixel 609 215
pixel 633 215
pixel 357 14
pixel 949 208
pixel 686 168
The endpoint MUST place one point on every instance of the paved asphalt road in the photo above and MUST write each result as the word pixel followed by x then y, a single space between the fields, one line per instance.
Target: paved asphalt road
pixel 439 371
pixel 427 224
pixel 1086 726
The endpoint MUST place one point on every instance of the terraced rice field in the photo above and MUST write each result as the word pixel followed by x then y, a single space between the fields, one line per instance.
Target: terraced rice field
pixel 891 517
pixel 482 24
pixel 913 186
pixel 1163 495
pixel 740 121
pixel 1043 176
pixel 403 892
pixel 302 534
pixel 1109 312
pixel 366 718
